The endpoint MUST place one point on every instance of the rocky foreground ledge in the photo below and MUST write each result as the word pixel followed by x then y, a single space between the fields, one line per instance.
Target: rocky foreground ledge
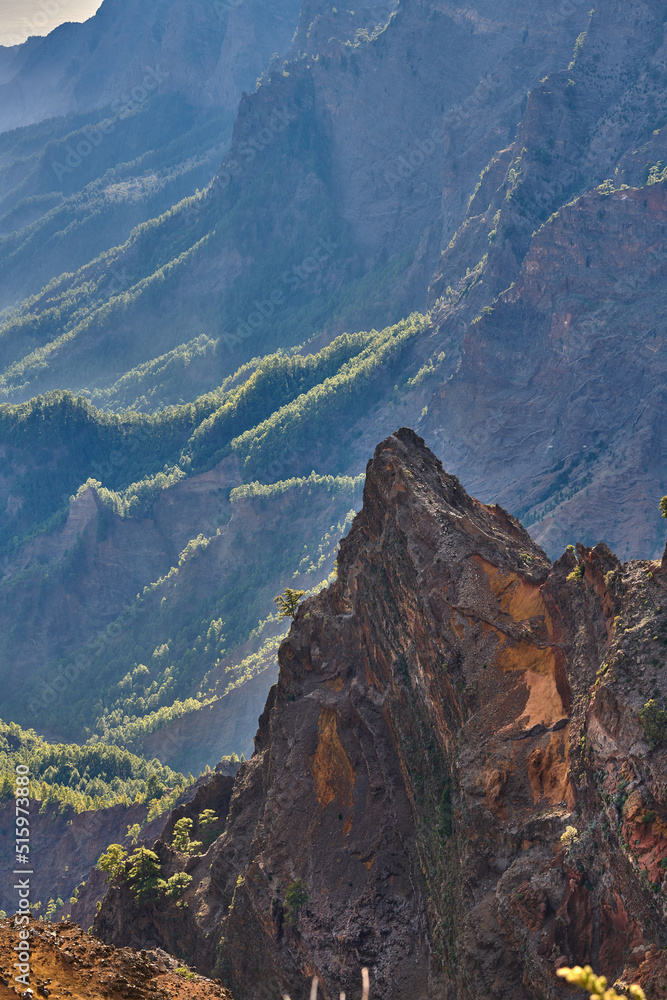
pixel 456 781
pixel 67 963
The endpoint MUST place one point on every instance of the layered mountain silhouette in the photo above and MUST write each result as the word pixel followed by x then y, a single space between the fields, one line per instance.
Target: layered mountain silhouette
pixel 221 291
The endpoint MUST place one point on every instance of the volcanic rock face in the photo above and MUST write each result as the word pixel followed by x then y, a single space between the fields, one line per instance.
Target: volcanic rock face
pixel 444 713
pixel 589 289
pixel 557 272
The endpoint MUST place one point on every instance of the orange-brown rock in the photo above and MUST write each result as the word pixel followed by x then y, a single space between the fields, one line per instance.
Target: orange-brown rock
pixel 441 768
pixel 67 963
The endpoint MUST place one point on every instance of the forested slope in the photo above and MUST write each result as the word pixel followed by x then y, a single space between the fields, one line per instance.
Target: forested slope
pixel 173 574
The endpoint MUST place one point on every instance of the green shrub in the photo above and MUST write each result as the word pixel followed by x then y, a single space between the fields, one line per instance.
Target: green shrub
pixel 112 862
pixel 654 723
pixel 296 898
pixel 596 986
pixel 185 973
pixel 181 838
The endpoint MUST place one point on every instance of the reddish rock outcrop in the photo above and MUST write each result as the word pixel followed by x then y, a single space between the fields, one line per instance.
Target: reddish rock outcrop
pixel 442 768
pixel 65 962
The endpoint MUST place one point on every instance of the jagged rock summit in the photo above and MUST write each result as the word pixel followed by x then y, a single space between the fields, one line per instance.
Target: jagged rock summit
pixel 452 782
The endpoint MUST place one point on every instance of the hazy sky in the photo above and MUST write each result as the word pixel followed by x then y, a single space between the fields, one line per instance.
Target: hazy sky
pixel 20 18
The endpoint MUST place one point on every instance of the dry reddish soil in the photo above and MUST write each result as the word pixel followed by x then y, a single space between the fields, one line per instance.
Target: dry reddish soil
pixel 68 963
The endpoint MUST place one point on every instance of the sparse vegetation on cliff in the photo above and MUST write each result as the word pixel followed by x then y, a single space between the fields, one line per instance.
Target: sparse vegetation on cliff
pixel 143 543
pixel 296 898
pixel 288 602
pixel 181 838
pixel 153 662
pixel 654 721
pixel 112 861
pixel 410 732
pixel 141 871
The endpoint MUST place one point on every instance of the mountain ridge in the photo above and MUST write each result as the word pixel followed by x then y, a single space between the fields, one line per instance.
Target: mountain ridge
pixel 195 370
pixel 445 713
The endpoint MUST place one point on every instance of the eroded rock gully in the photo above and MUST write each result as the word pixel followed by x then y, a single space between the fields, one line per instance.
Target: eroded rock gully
pixel 444 712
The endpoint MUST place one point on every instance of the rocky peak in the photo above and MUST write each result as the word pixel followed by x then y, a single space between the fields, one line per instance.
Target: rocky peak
pixel 441 784
pixel 405 482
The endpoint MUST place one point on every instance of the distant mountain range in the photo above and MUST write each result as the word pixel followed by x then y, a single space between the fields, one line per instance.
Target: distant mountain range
pixel 220 292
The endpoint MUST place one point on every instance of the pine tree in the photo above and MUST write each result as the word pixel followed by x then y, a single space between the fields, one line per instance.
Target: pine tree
pixel 288 602
pixel 206 825
pixel 181 838
pixel 133 832
pixel 144 876
pixel 112 861
pixel 176 887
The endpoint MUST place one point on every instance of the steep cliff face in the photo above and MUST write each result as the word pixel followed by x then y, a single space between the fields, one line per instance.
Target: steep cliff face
pixel 447 711
pixel 107 124
pixel 556 277
pixel 582 374
pixel 68 844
